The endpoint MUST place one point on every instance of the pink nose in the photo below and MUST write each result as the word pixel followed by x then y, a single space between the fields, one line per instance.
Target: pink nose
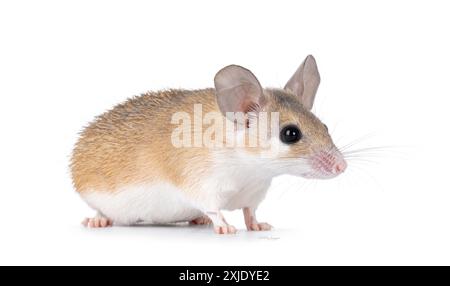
pixel 340 166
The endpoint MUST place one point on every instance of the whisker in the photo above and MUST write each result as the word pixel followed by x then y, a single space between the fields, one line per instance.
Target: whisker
pixel 356 141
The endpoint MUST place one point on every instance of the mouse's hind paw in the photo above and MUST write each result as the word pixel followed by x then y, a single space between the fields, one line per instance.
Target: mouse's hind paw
pixel 97 222
pixel 203 220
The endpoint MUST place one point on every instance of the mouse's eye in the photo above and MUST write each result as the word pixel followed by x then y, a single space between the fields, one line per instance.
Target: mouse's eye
pixel 290 134
pixel 326 127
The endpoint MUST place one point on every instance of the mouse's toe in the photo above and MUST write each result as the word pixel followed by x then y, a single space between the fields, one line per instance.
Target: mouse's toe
pixel 226 229
pixel 97 222
pixel 201 220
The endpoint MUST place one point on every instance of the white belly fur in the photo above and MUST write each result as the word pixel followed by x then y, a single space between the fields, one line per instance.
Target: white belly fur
pixel 164 203
pixel 157 203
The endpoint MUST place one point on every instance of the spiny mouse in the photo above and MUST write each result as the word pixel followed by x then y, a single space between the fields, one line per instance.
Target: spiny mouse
pixel 186 155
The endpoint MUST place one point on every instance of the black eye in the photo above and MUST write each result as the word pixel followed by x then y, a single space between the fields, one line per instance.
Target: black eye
pixel 326 127
pixel 290 134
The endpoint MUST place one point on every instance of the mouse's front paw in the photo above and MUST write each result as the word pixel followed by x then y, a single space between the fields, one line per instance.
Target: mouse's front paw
pixel 226 229
pixel 260 226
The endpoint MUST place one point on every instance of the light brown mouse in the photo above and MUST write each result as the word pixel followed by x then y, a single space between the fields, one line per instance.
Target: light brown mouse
pixel 170 156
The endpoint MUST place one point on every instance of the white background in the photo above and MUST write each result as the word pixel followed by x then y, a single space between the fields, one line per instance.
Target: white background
pixel 385 74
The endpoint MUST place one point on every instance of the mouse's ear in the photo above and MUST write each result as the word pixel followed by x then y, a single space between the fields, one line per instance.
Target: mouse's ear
pixel 237 90
pixel 305 82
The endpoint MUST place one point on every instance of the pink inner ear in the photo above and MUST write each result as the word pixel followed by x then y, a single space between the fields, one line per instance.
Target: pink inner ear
pixel 246 98
pixel 249 106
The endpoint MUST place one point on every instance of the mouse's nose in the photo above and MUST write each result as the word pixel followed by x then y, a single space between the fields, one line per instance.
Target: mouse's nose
pixel 340 166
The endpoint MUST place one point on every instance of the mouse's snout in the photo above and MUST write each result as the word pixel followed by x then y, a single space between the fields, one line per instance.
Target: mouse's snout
pixel 327 164
pixel 339 166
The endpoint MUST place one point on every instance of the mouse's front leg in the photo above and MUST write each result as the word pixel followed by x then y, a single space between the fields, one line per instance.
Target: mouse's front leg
pixel 252 223
pixel 220 224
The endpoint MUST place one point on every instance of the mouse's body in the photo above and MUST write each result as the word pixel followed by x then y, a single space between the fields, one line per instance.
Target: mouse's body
pixel 127 167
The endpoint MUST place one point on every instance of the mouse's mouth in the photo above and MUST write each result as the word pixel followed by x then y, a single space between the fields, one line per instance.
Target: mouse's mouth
pixel 326 165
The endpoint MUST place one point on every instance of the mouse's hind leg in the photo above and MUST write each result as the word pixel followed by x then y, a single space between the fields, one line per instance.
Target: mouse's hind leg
pixel 97 221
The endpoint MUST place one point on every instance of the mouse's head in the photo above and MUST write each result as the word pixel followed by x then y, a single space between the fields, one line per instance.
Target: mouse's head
pixel 304 146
